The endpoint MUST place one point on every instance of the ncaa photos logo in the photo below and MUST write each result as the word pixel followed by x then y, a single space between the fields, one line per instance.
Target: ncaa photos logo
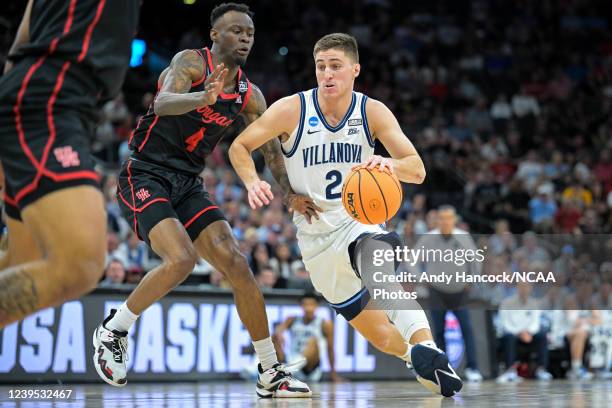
pixel 313 121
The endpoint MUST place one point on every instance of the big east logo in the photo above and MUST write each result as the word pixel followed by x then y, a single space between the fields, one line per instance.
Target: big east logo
pixel 210 116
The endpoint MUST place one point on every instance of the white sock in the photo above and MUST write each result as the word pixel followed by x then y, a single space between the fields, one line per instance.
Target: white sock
pixel 576 365
pixel 408 322
pixel 122 320
pixel 265 353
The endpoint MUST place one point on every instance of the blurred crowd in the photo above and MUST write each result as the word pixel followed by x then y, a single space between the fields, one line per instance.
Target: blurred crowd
pixel 508 103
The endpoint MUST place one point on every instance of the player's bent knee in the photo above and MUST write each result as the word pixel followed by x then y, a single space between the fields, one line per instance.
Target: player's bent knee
pixel 78 275
pixel 182 263
pixel 236 268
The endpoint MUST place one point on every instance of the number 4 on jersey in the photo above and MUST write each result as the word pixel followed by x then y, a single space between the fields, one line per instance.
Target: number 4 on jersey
pixel 193 140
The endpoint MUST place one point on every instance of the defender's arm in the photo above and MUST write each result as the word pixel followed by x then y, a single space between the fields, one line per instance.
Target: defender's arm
pixel 271 149
pixel 186 68
pixel 268 126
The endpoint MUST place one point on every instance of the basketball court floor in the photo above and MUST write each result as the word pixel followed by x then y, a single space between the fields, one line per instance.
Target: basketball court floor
pixel 354 394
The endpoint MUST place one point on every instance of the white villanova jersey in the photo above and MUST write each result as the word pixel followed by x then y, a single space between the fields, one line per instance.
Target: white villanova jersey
pixel 319 157
pixel 301 332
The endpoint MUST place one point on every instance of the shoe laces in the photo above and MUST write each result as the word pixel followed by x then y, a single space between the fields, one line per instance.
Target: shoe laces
pixel 120 348
pixel 287 369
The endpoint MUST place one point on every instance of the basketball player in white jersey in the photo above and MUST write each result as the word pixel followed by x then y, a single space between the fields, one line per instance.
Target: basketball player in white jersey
pixel 325 132
pixel 309 333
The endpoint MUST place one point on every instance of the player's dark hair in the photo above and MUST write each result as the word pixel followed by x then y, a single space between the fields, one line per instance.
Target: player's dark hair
pixel 340 41
pixel 223 8
pixel 309 295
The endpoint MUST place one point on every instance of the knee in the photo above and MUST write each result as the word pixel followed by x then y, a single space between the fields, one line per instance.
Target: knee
pixel 78 272
pixel 181 263
pixel 236 268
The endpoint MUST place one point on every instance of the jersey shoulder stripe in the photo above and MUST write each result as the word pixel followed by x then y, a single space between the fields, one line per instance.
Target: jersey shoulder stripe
pixel 366 127
pixel 300 129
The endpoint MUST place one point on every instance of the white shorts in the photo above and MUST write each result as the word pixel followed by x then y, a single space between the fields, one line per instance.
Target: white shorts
pixel 327 260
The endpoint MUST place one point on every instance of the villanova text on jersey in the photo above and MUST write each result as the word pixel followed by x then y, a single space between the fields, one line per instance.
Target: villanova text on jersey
pixel 332 153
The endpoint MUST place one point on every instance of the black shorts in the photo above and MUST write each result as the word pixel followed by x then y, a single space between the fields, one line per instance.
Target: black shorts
pixel 44 131
pixel 148 193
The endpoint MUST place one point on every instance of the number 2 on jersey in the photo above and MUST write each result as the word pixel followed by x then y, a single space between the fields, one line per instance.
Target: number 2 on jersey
pixel 193 140
pixel 336 176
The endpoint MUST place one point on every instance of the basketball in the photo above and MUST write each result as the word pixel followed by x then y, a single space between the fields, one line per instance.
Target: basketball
pixel 371 196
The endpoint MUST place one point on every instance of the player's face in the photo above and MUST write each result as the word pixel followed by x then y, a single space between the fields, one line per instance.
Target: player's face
pixel 309 306
pixel 336 72
pixel 234 34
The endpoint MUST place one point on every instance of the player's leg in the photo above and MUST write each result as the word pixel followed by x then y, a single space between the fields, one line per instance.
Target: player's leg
pixel 577 339
pixel 311 354
pixel 430 363
pixel 73 256
pixel 170 241
pixel 375 326
pixel 155 220
pixel 22 247
pixel 280 353
pixel 215 242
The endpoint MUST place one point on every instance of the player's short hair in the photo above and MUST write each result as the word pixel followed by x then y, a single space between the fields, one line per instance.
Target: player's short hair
pixel 340 41
pixel 223 8
pixel 309 295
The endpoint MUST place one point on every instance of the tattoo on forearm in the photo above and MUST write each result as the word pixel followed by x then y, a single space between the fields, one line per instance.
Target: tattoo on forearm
pixel 274 160
pixel 18 296
pixel 271 150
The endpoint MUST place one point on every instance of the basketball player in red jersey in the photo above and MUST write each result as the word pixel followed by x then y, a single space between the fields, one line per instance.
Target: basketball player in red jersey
pixel 66 57
pixel 203 95
pixel 339 124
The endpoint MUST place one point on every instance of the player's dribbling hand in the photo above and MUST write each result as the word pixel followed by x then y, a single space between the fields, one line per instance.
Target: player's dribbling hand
pixel 213 85
pixel 259 194
pixel 376 162
pixel 303 205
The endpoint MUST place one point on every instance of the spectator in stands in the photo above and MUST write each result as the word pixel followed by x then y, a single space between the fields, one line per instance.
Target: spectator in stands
pixel 531 250
pixel 567 218
pixel 267 278
pixel 453 296
pixel 577 192
pixel 114 274
pixel 542 209
pixel 134 254
pixel 519 321
pixel 260 257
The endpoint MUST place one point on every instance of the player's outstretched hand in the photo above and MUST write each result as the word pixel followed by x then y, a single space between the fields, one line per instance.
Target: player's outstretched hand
pixel 303 205
pixel 259 194
pixel 213 85
pixel 376 162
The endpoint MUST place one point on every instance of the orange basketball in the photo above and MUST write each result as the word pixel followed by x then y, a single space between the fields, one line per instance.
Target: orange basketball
pixel 371 196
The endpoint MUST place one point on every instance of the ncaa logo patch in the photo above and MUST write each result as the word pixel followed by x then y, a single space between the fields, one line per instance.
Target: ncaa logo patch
pixel 313 121
pixel 354 122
